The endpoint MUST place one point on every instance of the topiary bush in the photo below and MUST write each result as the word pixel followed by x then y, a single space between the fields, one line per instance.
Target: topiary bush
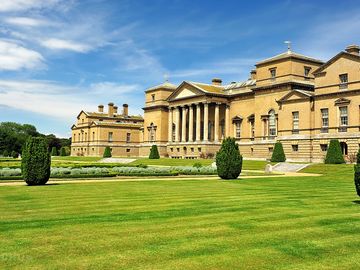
pixel 278 154
pixel 107 152
pixel 5 153
pixel 357 174
pixel 334 154
pixel 63 152
pixel 229 160
pixel 154 153
pixel 54 151
pixel 14 154
pixel 36 161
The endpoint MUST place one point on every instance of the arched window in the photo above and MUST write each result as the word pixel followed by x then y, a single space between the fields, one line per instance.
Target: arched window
pixel 152 130
pixel 272 123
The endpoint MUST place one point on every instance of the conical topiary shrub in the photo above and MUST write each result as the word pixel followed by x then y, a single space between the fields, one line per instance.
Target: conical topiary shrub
pixel 278 154
pixel 357 174
pixel 154 153
pixel 35 162
pixel 334 154
pixel 107 152
pixel 5 153
pixel 54 151
pixel 229 160
pixel 62 152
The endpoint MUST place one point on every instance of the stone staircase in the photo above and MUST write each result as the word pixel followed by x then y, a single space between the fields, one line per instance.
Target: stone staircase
pixel 289 167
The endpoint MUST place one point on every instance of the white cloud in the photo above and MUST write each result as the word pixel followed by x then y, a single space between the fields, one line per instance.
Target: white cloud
pixel 61 44
pixel 61 101
pixel 27 22
pixel 21 5
pixel 15 57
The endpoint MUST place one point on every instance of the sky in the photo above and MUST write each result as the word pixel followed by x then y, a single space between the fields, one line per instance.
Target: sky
pixel 58 57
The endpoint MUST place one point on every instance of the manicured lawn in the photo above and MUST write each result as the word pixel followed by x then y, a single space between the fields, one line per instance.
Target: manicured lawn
pixel 273 223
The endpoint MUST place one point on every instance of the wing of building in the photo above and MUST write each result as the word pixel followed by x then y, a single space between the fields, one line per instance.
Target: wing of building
pixel 292 98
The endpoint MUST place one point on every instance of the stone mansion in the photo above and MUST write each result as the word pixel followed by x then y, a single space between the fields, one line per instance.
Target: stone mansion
pixel 295 99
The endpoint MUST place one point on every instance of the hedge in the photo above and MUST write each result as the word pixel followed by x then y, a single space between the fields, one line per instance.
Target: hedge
pixel 107 152
pixel 278 154
pixel 154 153
pixel 334 154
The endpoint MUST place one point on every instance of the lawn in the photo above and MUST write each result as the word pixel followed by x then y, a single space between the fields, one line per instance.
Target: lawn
pixel 274 223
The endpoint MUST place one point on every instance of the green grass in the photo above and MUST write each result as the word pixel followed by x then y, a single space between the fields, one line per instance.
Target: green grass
pixel 269 223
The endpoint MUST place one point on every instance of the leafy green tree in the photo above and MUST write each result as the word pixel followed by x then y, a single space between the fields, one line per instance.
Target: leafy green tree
pixel 5 153
pixel 278 154
pixel 35 162
pixel 229 160
pixel 107 152
pixel 63 151
pixel 154 153
pixel 14 154
pixel 357 174
pixel 334 154
pixel 54 151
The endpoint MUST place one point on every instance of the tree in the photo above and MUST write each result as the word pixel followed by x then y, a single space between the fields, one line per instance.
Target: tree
pixel 14 154
pixel 5 153
pixel 357 174
pixel 334 154
pixel 36 161
pixel 229 160
pixel 54 151
pixel 107 152
pixel 278 154
pixel 63 151
pixel 154 153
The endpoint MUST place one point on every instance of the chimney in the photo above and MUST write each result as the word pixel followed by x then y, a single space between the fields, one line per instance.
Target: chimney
pixel 216 81
pixel 115 109
pixel 253 74
pixel 101 108
pixel 353 49
pixel 125 110
pixel 111 109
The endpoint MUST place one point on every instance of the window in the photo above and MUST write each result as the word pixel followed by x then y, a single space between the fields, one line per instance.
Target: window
pixel 344 148
pixel 153 97
pixel 323 147
pixel 173 132
pixel 343 81
pixel 273 73
pixel 110 137
pixel 343 119
pixel 127 150
pixel 237 129
pixel 128 137
pixel 307 71
pixel 152 132
pixel 74 138
pixel 272 123
pixel 295 147
pixel 93 136
pixel 192 149
pixel 271 149
pixel 324 120
pixel 172 149
pixel 295 116
pixel 199 149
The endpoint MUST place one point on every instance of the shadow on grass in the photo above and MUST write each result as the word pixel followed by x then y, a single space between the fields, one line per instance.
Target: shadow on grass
pixel 51 184
pixel 356 201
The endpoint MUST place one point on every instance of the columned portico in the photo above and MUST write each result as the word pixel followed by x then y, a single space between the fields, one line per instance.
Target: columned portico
pixel 217 116
pixel 177 124
pixel 191 123
pixel 183 127
pixel 206 122
pixel 198 122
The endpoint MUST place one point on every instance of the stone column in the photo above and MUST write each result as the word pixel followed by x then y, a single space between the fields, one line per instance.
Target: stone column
pixel 177 124
pixel 191 124
pixel 217 116
pixel 206 122
pixel 170 124
pixel 198 122
pixel 183 128
pixel 227 121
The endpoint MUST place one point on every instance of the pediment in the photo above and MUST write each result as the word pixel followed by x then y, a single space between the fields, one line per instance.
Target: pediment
pixel 294 95
pixel 322 69
pixel 81 113
pixel 185 90
pixel 342 101
pixel 237 118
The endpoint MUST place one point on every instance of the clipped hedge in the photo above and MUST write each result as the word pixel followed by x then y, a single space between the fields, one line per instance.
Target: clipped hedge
pixel 35 163
pixel 334 154
pixel 278 154
pixel 107 152
pixel 54 151
pixel 63 152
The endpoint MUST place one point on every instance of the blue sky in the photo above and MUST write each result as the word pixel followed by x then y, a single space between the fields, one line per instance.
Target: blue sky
pixel 58 57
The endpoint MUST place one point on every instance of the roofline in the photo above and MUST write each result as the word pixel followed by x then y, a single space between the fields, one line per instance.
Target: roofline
pixel 329 62
pixel 313 60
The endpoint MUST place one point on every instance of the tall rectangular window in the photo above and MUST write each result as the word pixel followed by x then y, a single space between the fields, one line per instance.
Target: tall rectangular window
pixel 295 120
pixel 343 81
pixel 273 73
pixel 93 136
pixel 307 71
pixel 237 129
pixel 128 137
pixel 343 119
pixel 110 137
pixel 153 97
pixel 324 120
